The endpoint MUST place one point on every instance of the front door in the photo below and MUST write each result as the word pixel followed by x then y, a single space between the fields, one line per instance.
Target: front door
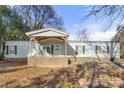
pixel 52 49
pixel 48 49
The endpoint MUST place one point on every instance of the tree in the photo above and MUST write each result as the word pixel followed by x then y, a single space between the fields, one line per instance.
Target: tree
pixel 112 13
pixel 5 13
pixel 15 21
pixel 120 38
pixel 39 16
pixel 82 35
pixel 11 24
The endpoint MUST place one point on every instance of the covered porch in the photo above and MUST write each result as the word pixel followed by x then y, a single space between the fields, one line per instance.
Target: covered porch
pixel 47 43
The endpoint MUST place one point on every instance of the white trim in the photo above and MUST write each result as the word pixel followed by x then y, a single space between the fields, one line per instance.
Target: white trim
pixel 45 30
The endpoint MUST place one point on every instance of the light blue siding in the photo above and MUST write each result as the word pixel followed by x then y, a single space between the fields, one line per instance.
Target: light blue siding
pixel 90 50
pixel 23 48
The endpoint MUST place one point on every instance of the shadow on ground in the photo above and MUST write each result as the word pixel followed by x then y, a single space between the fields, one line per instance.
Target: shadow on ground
pixel 90 74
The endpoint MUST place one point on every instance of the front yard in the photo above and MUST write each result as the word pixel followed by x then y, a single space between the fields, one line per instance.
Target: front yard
pixel 90 74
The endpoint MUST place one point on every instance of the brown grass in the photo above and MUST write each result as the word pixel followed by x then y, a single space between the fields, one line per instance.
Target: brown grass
pixel 22 77
pixel 90 74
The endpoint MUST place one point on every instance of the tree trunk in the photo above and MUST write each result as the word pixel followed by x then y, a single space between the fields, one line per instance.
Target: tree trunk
pixel 2 46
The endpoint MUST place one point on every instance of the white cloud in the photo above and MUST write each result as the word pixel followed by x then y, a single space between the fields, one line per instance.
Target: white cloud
pixel 102 36
pixel 95 30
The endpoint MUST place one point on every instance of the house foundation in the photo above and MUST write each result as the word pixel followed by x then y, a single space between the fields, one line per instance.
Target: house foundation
pixel 61 61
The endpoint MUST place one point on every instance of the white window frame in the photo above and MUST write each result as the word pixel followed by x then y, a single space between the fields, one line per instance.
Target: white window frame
pixel 59 48
pixel 11 49
pixel 80 50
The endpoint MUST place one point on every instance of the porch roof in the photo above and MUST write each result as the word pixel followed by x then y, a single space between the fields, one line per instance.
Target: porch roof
pixel 49 32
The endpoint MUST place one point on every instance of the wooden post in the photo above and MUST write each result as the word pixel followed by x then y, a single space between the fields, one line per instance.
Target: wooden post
pixel 39 47
pixel 65 47
pixel 30 45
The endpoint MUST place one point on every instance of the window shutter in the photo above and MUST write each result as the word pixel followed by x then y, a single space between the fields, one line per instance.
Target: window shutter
pixel 52 49
pixel 76 49
pixel 96 49
pixel 15 47
pixel 83 49
pixel 107 49
pixel 7 49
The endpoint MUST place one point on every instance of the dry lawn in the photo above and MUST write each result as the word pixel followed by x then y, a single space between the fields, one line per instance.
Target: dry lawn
pixel 90 74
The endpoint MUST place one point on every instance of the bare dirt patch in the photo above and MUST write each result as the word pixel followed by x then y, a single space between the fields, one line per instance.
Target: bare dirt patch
pixel 12 64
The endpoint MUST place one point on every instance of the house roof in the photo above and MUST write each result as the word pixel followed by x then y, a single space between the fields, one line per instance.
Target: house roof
pixel 77 41
pixel 47 32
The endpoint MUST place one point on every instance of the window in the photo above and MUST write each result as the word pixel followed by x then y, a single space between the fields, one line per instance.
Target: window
pixel 98 49
pixel 13 49
pixel 56 47
pixel 83 48
pixel 108 49
pixel 80 49
pixel 57 50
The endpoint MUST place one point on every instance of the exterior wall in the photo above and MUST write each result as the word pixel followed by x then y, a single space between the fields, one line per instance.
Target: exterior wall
pixel 90 49
pixel 22 49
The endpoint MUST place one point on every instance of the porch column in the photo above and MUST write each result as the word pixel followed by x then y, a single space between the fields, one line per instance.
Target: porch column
pixel 37 50
pixel 30 45
pixel 65 46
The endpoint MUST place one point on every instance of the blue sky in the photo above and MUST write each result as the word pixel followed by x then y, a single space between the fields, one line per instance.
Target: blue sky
pixel 73 16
